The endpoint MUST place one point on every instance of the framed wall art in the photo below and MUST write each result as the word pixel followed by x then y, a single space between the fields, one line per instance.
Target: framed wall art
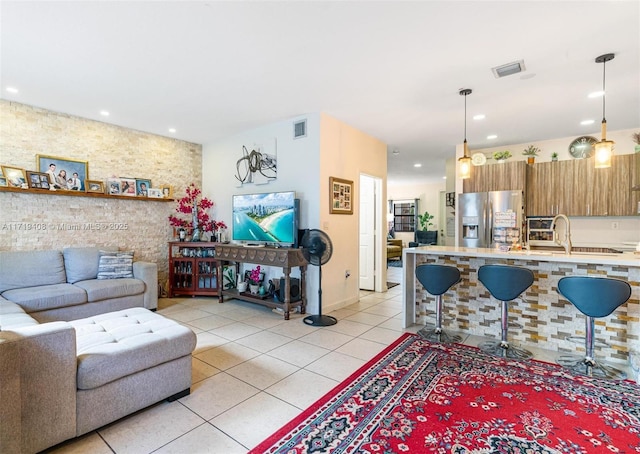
pixel 94 186
pixel 64 174
pixel 15 177
pixel 340 196
pixel 38 180
pixel 142 187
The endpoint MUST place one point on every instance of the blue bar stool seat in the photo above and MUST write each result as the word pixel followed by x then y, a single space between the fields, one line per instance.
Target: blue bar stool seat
pixel 505 283
pixel 437 280
pixel 595 297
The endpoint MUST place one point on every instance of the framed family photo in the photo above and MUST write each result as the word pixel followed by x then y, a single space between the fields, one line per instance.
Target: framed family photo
pixel 340 196
pixel 155 193
pixel 113 186
pixel 15 177
pixel 94 186
pixel 142 187
pixel 128 186
pixel 167 191
pixel 38 180
pixel 64 173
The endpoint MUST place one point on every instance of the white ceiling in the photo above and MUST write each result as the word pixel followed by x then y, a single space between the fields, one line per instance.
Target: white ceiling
pixel 391 69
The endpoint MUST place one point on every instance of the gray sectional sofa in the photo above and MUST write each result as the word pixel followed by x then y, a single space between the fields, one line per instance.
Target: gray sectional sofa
pixel 63 373
pixel 65 285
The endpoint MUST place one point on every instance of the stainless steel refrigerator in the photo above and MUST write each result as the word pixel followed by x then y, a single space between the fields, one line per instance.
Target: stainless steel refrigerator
pixel 490 219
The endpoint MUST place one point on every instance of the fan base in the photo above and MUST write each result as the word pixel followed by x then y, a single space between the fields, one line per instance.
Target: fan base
pixel 320 320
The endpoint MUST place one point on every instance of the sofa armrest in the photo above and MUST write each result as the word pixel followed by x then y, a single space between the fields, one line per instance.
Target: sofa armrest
pixel 38 370
pixel 148 273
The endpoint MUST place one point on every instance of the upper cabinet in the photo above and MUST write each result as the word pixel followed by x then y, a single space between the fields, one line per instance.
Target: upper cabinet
pixel 577 188
pixel 497 177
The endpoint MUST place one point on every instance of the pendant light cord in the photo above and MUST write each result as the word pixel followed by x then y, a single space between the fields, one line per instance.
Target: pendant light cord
pixel 604 92
pixel 465 117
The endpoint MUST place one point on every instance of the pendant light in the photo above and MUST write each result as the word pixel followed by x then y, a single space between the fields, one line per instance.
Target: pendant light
pixel 604 148
pixel 464 163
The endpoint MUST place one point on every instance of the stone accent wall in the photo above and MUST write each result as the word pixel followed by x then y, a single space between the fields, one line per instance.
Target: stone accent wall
pixel 45 221
pixel 546 317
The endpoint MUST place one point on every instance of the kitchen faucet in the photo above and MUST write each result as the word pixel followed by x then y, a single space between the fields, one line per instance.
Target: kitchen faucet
pixel 566 243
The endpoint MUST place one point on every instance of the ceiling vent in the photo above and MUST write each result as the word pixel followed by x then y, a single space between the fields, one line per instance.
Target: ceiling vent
pixel 508 69
pixel 300 129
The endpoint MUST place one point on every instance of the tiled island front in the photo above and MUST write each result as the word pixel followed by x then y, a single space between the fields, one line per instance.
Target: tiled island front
pixel 546 317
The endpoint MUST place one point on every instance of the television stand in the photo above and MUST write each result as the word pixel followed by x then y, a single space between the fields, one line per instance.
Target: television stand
pixel 285 258
pixel 253 245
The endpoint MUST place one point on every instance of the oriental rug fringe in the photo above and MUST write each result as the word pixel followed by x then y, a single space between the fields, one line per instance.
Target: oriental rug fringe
pixel 419 397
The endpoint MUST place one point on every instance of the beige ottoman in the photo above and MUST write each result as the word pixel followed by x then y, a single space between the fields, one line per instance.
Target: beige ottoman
pixel 128 360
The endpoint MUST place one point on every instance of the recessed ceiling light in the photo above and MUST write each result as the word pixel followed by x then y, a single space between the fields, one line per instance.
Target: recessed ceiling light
pixel 396 152
pixel 444 177
pixel 479 117
pixel 417 165
pixel 172 130
pixel 508 69
pixel 104 113
pixel 596 94
pixel 492 136
pixel 12 89
pixel 586 122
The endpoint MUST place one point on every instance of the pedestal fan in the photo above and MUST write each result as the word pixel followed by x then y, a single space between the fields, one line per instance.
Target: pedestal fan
pixel 317 250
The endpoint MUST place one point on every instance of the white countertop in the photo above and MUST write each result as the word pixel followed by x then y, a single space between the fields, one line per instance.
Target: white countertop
pixel 624 259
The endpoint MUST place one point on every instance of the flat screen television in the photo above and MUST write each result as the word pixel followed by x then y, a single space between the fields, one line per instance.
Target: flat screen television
pixel 266 218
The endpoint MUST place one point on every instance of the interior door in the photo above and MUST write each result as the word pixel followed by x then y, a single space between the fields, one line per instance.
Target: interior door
pixel 367 233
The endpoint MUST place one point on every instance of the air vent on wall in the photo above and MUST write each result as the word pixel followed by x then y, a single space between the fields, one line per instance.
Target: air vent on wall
pixel 300 129
pixel 508 69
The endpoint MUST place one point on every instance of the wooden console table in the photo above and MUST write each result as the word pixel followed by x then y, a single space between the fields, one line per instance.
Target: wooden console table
pixel 285 258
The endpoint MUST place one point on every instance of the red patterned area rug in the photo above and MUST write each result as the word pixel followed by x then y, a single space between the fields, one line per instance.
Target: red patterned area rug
pixel 419 397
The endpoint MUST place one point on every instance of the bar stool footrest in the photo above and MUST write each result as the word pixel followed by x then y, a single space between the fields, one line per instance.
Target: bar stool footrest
pixel 505 350
pixel 439 336
pixel 590 367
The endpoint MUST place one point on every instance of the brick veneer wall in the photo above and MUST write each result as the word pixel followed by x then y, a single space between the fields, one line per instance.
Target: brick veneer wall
pixel 43 221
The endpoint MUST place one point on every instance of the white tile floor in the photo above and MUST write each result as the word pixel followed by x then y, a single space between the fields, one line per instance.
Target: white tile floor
pixel 252 373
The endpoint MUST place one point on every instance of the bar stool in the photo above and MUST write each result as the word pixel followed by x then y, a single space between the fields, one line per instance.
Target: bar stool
pixel 505 283
pixel 436 280
pixel 595 297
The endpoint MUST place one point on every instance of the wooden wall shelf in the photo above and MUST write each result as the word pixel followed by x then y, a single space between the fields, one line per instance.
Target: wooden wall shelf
pixel 97 195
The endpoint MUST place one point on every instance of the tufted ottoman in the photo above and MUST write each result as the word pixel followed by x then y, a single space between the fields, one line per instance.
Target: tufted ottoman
pixel 128 360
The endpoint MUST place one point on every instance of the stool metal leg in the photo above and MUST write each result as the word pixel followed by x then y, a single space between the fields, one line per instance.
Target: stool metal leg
pixel 588 365
pixel 437 334
pixel 503 348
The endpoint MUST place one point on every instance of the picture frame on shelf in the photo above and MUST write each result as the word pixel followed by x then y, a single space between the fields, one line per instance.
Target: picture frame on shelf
pixel 54 165
pixel 128 186
pixel 155 193
pixel 95 186
pixel 38 180
pixel 15 176
pixel 142 187
pixel 167 191
pixel 340 196
pixel 113 186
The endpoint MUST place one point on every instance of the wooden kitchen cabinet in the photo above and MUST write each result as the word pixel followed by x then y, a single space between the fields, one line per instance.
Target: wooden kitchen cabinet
pixel 506 176
pixel 577 188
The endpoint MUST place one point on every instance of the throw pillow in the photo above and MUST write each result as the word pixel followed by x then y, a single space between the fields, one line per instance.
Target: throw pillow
pixel 115 265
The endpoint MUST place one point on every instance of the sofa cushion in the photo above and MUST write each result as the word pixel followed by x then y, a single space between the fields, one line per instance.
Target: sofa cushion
pixel 81 263
pixel 44 297
pixel 115 265
pixel 20 269
pixel 114 345
pixel 99 290
pixel 13 316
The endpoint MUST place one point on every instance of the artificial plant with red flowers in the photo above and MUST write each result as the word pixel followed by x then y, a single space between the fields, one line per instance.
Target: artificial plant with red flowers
pixel 254 275
pixel 195 207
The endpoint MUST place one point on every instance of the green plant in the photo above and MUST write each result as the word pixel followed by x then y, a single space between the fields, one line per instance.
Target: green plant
pixel 531 151
pixel 501 155
pixel 636 137
pixel 425 220
pixel 554 155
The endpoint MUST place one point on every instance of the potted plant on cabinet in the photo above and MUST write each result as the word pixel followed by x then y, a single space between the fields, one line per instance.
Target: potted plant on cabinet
pixel 554 156
pixel 531 152
pixel 636 138
pixel 426 236
pixel 501 156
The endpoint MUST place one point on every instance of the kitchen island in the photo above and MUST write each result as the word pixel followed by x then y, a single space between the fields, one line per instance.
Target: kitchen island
pixel 546 317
